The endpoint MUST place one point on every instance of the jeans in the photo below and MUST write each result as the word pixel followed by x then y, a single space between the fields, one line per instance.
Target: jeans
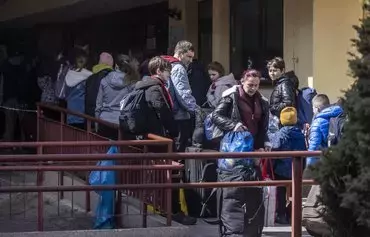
pixel 186 128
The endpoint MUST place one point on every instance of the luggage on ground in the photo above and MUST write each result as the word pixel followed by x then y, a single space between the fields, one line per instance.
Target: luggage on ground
pixel 197 171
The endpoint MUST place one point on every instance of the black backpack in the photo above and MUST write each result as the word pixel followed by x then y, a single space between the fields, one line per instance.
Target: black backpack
pixel 134 110
pixel 336 126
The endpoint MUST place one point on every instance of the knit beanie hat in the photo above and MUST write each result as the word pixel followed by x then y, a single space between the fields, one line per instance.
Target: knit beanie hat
pixel 288 116
pixel 106 58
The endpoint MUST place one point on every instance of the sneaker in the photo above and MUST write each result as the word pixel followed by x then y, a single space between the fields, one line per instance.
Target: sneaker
pixel 183 219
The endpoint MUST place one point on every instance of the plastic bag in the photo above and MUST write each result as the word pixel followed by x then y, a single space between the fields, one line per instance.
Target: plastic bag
pixel 274 123
pixel 270 205
pixel 236 142
pixel 269 192
pixel 105 210
pixel 211 130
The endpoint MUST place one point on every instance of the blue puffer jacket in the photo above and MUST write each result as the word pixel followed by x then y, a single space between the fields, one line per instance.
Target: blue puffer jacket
pixel 319 130
pixel 289 138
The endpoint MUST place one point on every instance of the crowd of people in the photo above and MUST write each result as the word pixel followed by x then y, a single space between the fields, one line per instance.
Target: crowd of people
pixel 174 91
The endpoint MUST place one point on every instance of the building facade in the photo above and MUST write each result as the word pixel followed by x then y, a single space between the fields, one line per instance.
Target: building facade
pixel 313 36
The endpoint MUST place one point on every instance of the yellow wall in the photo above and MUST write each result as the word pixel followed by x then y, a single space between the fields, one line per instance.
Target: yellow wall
pixel 332 31
pixel 19 8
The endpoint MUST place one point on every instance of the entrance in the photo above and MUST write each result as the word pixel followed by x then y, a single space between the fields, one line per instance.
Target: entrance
pixel 257 34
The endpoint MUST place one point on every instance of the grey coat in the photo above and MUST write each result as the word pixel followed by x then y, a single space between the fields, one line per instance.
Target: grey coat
pixel 215 91
pixel 112 89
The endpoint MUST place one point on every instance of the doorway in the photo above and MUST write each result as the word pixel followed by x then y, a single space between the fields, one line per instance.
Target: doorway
pixel 205 17
pixel 257 34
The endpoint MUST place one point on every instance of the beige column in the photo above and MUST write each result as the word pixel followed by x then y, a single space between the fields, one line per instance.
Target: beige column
pixel 298 39
pixel 221 32
pixel 187 27
pixel 332 32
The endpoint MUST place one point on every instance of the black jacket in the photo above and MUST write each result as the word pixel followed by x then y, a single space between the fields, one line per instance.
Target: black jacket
pixel 226 116
pixel 160 112
pixel 19 82
pixel 283 94
pixel 92 89
pixel 199 81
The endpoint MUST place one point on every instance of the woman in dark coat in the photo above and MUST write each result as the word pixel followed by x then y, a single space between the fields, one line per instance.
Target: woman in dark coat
pixel 285 87
pixel 243 108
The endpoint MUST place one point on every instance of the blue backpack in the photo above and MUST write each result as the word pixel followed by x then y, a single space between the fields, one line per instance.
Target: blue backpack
pixel 304 105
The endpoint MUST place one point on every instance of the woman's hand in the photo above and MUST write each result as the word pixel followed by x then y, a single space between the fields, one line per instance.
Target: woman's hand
pixel 257 162
pixel 240 128
pixel 268 148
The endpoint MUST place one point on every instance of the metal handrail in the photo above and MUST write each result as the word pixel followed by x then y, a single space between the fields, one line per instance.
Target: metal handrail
pixel 87 117
pixel 296 182
pixel 134 146
pixel 89 168
pixel 26 189
pixel 158 156
pixel 84 143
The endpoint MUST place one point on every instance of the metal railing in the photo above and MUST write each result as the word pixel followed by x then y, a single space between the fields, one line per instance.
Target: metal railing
pixel 79 141
pixel 144 167
pixel 296 181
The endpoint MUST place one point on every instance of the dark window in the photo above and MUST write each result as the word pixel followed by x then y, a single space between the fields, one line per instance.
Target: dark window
pixel 205 31
pixel 256 34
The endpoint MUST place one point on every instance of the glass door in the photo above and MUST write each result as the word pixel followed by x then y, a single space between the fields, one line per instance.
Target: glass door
pixel 257 34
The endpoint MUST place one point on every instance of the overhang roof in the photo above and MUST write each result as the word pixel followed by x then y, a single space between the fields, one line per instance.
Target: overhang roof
pixel 22 15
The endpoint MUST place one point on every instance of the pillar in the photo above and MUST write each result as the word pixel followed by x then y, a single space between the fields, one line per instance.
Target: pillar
pixel 221 32
pixel 187 27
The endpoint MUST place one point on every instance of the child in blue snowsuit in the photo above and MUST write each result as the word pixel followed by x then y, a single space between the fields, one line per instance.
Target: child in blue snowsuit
pixel 319 130
pixel 288 138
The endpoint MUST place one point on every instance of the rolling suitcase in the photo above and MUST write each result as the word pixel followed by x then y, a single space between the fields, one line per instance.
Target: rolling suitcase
pixel 197 171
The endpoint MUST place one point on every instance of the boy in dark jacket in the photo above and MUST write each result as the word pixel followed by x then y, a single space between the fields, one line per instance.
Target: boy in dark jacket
pixel 285 86
pixel 288 138
pixel 161 116
pixel 158 98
